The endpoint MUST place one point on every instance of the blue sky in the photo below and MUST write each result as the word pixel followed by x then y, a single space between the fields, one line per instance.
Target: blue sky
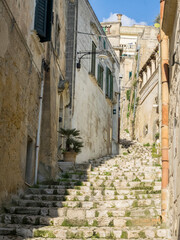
pixel 136 11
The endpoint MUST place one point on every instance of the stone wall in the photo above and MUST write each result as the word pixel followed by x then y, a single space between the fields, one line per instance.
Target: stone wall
pixel 21 72
pixel 148 122
pixel 174 117
pixel 93 111
pixel 19 104
pixel 54 79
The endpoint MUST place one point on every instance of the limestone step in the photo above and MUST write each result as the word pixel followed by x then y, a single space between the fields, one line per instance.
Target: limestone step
pixel 84 232
pixel 82 213
pixel 126 195
pixel 39 238
pixel 59 189
pixel 126 203
pixel 95 220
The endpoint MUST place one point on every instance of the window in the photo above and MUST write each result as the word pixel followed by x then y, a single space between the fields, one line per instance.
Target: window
pixel 130 75
pixel 93 59
pixel 109 84
pixel 43 19
pixel 100 76
pixel 104 44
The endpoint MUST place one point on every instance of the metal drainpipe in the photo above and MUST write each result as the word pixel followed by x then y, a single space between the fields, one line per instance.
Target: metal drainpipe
pixel 165 127
pixel 39 122
pixel 159 93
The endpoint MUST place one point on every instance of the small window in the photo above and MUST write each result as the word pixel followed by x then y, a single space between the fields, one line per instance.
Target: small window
pixel 43 19
pixel 93 59
pixel 130 75
pixel 104 44
pixel 100 76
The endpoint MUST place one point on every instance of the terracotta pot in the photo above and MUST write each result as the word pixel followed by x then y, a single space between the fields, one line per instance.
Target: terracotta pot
pixel 70 156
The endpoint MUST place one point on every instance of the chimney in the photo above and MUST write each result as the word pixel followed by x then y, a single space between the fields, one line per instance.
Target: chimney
pixel 119 17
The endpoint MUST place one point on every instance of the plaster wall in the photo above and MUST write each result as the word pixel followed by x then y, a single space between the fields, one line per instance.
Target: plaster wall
pixel 93 111
pixel 19 105
pixel 147 116
pixel 174 127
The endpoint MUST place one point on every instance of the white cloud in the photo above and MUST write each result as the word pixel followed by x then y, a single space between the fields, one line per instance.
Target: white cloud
pixel 126 21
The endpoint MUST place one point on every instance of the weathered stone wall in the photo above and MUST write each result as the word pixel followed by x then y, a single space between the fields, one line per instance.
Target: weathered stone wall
pixel 147 42
pixel 174 127
pixel 125 41
pixel 19 104
pixel 93 112
pixel 147 117
pixel 56 58
pixel 21 55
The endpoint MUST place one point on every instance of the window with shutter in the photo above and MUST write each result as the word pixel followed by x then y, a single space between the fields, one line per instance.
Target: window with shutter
pixel 111 87
pixel 43 19
pixel 93 59
pixel 107 81
pixel 109 84
pixel 100 76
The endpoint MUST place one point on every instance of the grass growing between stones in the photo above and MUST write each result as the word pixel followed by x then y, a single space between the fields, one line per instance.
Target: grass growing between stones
pixel 127 213
pixel 71 235
pixel 96 235
pixel 96 213
pixel 111 223
pixel 111 236
pixel 129 223
pixel 142 234
pixel 124 235
pixel 44 234
pixel 110 214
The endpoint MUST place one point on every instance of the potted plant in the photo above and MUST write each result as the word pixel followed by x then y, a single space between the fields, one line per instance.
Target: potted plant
pixel 73 144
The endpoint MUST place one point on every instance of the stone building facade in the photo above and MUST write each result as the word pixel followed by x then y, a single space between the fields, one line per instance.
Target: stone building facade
pixel 171 27
pixel 31 63
pixel 95 90
pixel 147 122
pixel 128 43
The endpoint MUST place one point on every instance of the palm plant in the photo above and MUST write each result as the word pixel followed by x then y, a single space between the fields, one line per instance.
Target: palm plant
pixel 73 140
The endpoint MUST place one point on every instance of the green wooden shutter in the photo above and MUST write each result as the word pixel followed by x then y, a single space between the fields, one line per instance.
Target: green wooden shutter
pixel 49 20
pixel 41 17
pixel 102 73
pixel 107 81
pixel 111 87
pixel 93 59
pixel 99 74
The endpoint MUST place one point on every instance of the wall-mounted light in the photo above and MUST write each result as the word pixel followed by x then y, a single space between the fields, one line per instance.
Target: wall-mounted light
pixel 101 55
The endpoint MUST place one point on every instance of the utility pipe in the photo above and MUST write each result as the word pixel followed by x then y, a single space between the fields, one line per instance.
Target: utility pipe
pixel 164 128
pixel 39 122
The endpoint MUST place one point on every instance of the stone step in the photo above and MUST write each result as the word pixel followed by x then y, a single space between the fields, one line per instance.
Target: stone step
pixel 76 180
pixel 82 213
pixel 56 189
pixel 86 232
pixel 39 238
pixel 95 221
pixel 96 193
pixel 71 167
pixel 126 203
pixel 129 195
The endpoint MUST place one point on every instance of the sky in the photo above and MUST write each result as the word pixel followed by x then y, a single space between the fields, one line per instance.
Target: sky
pixel 134 11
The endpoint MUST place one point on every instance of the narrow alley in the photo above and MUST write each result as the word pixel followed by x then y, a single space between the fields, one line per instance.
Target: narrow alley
pixel 89 119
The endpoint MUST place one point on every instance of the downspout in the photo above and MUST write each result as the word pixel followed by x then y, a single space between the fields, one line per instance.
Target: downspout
pixel 164 128
pixel 39 122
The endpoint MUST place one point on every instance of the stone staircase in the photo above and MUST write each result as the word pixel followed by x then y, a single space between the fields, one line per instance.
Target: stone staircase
pixel 109 198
